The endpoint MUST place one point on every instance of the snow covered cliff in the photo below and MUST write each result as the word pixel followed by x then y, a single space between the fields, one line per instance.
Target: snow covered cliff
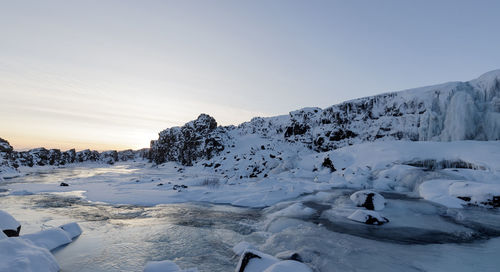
pixel 446 112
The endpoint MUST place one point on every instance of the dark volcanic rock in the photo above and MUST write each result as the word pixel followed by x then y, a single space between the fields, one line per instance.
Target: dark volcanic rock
pixel 87 155
pixel 195 140
pixel 5 146
pixel 42 156
pixel 245 259
pixel 327 163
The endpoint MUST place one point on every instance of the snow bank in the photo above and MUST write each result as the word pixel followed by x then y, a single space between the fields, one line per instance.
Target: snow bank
pixel 457 193
pixel 294 210
pixel 31 252
pixel 20 255
pixel 9 225
pixel 49 239
pixel 73 229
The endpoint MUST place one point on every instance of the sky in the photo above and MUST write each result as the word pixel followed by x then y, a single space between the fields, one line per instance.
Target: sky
pixel 112 74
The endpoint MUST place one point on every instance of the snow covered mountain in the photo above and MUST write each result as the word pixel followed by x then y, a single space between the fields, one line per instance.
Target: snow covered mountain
pixel 446 112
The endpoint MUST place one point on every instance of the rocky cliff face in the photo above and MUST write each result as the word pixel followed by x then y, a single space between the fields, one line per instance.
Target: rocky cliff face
pixel 447 112
pixel 197 139
pixel 10 159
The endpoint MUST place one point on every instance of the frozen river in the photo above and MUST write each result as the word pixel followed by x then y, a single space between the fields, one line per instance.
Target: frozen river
pixel 420 237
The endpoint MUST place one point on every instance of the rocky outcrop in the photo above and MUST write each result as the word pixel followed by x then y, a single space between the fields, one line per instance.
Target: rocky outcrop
pixel 5 146
pixel 447 112
pixel 197 139
pixel 11 159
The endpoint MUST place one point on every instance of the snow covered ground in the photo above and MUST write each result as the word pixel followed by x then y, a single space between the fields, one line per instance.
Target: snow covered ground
pixel 439 199
pixel 398 166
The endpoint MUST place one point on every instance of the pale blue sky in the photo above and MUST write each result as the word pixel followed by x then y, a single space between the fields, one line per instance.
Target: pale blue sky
pixel 112 74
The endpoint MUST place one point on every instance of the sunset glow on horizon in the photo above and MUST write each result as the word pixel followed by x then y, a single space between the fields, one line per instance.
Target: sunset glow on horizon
pixel 112 74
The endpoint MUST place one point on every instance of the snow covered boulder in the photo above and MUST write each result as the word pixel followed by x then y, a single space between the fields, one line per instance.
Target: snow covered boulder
pixel 289 255
pixel 368 217
pixel 73 229
pixel 255 261
pixel 288 266
pixel 9 224
pixel 369 199
pixel 241 247
pixel 20 255
pixel 49 239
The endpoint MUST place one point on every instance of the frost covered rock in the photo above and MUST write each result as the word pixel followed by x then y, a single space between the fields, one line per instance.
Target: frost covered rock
pixel 73 229
pixel 49 239
pixel 87 155
pixel 369 199
pixel 11 159
pixel 9 225
pixel 255 261
pixel 5 146
pixel 195 140
pixel 109 157
pixel 368 217
pixel 241 247
pixel 289 255
pixel 288 266
pixel 20 255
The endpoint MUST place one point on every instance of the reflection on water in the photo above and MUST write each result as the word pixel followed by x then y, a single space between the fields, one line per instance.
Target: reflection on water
pixel 56 175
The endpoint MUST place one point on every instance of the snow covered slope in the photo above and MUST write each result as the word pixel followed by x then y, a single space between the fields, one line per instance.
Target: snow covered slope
pixel 447 112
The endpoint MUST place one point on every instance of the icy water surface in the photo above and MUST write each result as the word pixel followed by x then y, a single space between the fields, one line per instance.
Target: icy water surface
pixel 124 237
pixel 420 237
